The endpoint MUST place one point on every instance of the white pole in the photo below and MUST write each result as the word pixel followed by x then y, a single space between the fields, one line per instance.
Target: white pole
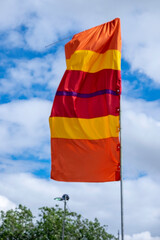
pixel 121 183
pixel 64 216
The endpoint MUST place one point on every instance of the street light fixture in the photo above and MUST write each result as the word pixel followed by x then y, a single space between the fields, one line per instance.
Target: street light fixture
pixel 58 199
pixel 64 198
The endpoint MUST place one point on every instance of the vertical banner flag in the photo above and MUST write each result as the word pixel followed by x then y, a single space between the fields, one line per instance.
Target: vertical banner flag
pixel 84 120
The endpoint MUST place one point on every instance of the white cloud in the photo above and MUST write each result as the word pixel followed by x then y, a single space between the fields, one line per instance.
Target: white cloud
pixel 16 166
pixel 30 78
pixel 14 39
pixel 24 126
pixel 141 236
pixel 142 210
pixel 140 137
pixel 141 45
pixel 6 204
pixel 43 20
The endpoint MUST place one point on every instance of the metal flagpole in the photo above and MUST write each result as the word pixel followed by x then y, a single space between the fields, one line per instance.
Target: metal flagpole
pixel 64 198
pixel 118 235
pixel 64 216
pixel 121 181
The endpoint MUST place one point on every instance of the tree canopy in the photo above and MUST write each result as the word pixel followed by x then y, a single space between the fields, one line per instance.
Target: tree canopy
pixel 20 224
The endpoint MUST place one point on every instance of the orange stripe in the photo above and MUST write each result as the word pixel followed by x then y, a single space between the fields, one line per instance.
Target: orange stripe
pixel 99 39
pixel 85 160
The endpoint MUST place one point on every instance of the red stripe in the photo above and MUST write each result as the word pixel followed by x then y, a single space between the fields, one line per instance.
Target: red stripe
pixel 85 160
pixel 70 106
pixel 84 82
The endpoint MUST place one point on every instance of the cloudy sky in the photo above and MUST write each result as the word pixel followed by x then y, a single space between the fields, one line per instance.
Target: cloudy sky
pixel 30 74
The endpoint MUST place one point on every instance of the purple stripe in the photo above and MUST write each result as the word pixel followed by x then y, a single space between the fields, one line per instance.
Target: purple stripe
pixel 86 95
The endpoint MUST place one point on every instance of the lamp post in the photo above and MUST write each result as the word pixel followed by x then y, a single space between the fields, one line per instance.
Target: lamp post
pixel 118 234
pixel 64 198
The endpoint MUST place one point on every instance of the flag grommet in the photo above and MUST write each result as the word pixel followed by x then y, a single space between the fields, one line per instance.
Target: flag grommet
pixel 117 109
pixel 118 147
pixel 118 91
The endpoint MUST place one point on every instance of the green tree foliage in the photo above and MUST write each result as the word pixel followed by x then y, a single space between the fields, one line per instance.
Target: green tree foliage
pixel 19 224
pixel 16 224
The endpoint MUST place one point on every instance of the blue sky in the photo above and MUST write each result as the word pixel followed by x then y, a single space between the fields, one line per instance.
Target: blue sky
pixel 29 76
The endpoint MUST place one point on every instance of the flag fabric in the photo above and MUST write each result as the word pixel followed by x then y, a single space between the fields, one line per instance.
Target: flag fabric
pixel 84 120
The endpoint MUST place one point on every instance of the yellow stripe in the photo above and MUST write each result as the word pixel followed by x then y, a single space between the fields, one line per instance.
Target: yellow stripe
pixel 89 61
pixel 79 128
